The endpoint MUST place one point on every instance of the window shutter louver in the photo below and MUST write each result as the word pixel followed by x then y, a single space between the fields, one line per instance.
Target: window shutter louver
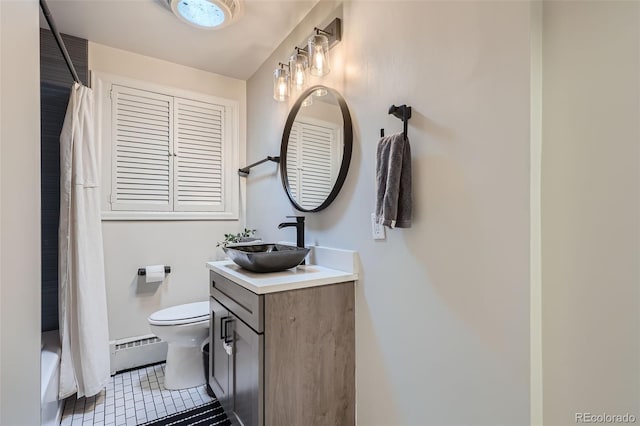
pixel 292 160
pixel 316 175
pixel 142 143
pixel 167 153
pixel 199 152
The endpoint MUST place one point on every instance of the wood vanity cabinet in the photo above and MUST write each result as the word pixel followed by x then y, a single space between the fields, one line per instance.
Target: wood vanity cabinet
pixel 285 358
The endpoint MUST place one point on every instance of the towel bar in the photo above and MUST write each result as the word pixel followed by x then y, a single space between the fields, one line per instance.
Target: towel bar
pixel 403 112
pixel 244 172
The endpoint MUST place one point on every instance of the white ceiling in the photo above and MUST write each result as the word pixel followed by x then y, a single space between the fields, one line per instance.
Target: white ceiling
pixel 148 27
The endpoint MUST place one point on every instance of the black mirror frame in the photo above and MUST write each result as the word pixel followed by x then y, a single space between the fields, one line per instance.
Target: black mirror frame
pixel 346 153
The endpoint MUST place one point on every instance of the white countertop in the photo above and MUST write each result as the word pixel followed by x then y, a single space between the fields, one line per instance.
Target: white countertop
pixel 290 279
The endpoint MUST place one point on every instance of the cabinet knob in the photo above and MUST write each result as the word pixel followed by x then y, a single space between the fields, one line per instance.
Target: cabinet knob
pixel 292 318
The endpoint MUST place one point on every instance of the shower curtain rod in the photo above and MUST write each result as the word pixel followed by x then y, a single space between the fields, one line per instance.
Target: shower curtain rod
pixel 52 25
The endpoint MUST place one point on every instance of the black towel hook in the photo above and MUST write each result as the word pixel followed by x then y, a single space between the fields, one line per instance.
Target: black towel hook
pixel 403 112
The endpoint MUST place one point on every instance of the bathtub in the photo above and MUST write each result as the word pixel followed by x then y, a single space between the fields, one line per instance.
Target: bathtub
pixel 50 406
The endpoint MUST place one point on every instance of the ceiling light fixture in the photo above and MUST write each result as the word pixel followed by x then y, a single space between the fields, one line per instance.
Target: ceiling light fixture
pixel 314 59
pixel 206 14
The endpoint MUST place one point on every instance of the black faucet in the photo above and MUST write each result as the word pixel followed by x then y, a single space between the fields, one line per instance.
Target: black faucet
pixel 299 224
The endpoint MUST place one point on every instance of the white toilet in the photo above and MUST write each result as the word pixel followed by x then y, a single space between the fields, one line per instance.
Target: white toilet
pixel 184 328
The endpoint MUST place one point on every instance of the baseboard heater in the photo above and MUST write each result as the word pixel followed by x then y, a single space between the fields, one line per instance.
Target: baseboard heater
pixel 136 351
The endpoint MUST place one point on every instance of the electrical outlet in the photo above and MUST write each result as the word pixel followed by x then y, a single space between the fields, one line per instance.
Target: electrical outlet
pixel 377 230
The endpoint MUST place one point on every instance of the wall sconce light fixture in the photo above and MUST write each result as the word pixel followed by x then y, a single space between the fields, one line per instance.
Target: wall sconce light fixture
pixel 299 66
pixel 281 83
pixel 308 101
pixel 314 59
pixel 319 54
pixel 320 92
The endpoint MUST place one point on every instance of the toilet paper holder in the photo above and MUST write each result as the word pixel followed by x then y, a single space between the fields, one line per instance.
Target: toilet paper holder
pixel 142 271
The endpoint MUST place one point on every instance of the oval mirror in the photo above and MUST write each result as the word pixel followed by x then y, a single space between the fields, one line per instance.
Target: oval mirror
pixel 316 149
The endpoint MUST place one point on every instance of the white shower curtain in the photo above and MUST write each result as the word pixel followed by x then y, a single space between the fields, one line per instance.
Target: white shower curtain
pixel 84 331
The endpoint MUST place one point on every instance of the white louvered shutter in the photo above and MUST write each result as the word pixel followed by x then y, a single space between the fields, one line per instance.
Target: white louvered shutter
pixel 199 152
pixel 316 164
pixel 142 133
pixel 293 175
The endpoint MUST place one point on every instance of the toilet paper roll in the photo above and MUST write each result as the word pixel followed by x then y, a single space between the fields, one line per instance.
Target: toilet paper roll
pixel 154 273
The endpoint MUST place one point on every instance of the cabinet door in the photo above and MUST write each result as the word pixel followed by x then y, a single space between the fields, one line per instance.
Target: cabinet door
pixel 246 380
pixel 218 358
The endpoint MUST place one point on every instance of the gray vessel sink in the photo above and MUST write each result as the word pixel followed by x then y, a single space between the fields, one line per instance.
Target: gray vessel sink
pixel 266 257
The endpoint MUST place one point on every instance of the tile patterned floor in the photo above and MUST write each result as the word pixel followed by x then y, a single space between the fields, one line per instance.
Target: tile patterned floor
pixel 132 398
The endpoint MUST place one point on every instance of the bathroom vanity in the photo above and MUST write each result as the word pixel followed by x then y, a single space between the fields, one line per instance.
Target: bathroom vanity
pixel 282 349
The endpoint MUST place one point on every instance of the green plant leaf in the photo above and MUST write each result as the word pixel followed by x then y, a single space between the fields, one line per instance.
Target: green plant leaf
pixel 234 238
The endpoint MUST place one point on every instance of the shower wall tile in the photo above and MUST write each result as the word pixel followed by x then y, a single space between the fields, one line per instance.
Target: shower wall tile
pixel 55 85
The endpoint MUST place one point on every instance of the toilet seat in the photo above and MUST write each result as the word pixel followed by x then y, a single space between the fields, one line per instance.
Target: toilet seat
pixel 181 314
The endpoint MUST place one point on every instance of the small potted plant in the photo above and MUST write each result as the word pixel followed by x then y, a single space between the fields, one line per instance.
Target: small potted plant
pixel 241 237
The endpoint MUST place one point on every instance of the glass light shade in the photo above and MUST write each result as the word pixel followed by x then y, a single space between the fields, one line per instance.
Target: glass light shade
pixel 299 66
pixel 280 85
pixel 308 101
pixel 319 55
pixel 320 92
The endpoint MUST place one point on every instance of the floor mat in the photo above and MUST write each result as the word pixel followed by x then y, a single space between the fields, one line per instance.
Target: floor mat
pixel 209 414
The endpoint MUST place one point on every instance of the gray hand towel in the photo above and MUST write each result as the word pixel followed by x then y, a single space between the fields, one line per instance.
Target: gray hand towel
pixel 393 180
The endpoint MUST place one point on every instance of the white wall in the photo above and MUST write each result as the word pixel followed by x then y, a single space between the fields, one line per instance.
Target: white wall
pixel 591 209
pixel 442 314
pixel 184 245
pixel 19 213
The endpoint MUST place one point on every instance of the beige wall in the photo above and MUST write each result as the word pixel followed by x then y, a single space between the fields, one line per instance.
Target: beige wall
pixel 184 245
pixel 20 213
pixel 442 312
pixel 535 222
pixel 591 209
